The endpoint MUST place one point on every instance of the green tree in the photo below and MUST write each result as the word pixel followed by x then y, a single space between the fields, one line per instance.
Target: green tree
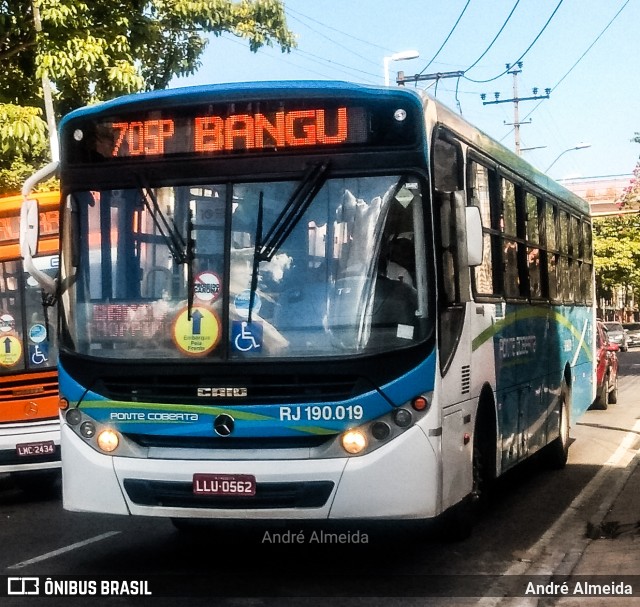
pixel 631 194
pixel 616 243
pixel 616 246
pixel 94 50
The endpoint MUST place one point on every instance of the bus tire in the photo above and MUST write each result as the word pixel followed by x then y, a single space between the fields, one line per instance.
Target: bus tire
pixel 460 519
pixel 557 451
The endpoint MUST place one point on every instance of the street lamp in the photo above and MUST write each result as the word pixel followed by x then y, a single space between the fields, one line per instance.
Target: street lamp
pixel 579 146
pixel 401 56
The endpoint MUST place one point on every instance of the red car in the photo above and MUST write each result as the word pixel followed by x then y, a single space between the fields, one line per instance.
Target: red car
pixel 606 370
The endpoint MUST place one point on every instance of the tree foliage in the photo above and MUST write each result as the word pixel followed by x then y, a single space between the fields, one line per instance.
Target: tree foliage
pixel 94 50
pixel 630 198
pixel 616 243
pixel 617 253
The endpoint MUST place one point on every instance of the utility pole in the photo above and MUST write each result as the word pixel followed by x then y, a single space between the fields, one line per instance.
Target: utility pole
pixel 437 76
pixel 515 70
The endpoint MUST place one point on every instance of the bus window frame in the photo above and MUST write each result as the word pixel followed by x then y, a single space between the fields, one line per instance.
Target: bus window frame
pixel 545 201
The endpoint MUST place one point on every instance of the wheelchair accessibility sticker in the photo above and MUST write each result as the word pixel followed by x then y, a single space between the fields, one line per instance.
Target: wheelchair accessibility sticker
pixel 38 354
pixel 246 336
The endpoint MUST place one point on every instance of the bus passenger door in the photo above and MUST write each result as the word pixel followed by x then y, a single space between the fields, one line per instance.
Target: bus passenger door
pixel 454 334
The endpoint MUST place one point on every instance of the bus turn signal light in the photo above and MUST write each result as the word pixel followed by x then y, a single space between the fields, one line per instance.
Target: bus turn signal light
pixel 420 403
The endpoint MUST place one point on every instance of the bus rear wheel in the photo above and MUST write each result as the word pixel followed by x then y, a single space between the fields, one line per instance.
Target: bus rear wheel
pixel 557 452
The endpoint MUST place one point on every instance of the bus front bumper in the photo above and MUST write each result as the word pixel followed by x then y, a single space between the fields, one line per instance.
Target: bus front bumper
pixel 30 446
pixel 397 481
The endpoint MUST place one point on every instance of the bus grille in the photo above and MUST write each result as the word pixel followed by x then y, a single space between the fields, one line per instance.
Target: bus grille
pixel 25 386
pixel 230 443
pixel 272 389
pixel 169 494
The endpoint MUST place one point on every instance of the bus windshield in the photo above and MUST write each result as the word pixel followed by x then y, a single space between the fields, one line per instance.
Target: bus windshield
pixel 321 266
pixel 26 321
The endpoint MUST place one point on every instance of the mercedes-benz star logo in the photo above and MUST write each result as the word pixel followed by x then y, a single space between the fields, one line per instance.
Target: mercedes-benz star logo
pixel 223 424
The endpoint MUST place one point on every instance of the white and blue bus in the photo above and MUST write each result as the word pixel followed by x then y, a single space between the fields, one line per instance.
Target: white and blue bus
pixel 310 300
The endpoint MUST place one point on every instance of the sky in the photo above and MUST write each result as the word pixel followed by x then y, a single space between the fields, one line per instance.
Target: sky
pixel 586 51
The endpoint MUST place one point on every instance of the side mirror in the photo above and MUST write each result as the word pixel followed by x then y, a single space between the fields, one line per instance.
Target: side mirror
pixel 474 236
pixel 29 227
pixel 29 235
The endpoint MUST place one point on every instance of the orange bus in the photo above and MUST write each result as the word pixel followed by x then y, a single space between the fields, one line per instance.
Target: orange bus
pixel 29 426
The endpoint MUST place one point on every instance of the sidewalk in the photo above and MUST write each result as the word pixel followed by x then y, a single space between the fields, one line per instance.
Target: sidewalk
pixel 613 549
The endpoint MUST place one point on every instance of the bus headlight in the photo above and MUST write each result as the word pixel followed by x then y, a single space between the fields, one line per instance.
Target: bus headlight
pixel 354 441
pixel 108 440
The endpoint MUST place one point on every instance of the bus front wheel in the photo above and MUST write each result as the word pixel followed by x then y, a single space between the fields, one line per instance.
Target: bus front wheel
pixel 460 519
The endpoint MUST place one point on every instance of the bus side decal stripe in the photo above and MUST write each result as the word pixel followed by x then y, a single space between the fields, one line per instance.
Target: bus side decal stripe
pixel 492 331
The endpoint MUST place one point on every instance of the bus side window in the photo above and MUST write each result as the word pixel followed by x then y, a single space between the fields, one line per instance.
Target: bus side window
pixel 534 257
pixel 479 196
pixel 514 257
pixel 550 216
pixel 587 267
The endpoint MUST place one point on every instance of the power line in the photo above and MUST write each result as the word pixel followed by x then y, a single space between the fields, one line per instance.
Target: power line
pixel 317 59
pixel 555 10
pixel 367 59
pixel 553 88
pixel 349 35
pixel 447 38
pixel 592 44
pixel 495 38
pixel 311 57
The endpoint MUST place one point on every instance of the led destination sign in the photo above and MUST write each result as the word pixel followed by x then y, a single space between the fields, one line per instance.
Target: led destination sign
pixel 236 132
pixel 223 129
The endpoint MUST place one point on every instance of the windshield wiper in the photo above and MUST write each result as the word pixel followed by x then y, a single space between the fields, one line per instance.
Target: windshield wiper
pixel 172 237
pixel 293 210
pixel 287 220
pixel 190 256
pixel 256 256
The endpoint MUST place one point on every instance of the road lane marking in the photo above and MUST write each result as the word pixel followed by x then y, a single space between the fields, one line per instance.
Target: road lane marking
pixel 49 555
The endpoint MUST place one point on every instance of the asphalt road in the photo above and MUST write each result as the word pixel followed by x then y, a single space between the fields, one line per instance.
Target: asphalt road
pixel 536 521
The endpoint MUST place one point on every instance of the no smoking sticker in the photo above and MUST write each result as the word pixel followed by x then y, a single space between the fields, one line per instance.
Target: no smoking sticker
pixel 199 334
pixel 206 286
